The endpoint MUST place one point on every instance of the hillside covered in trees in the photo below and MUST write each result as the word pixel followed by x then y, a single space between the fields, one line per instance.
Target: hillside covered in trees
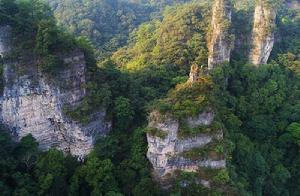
pixel 137 57
pixel 107 23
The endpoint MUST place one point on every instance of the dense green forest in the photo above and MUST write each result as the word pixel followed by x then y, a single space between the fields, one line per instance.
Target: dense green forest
pixel 138 51
pixel 107 23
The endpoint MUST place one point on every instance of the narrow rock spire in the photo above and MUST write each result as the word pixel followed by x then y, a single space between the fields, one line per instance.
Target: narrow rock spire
pixel 262 33
pixel 220 40
pixel 194 73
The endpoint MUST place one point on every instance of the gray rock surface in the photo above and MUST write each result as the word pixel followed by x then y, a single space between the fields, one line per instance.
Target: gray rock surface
pixel 220 43
pixel 164 153
pixel 32 103
pixel 263 33
pixel 5 39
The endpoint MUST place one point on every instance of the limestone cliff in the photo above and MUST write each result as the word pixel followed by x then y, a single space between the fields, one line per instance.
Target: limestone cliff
pixel 219 39
pixel 169 152
pixel 33 104
pixel 5 39
pixel 262 33
pixel 187 143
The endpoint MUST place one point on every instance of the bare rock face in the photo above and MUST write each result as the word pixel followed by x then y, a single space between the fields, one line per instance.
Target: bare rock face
pixel 33 104
pixel 5 33
pixel 165 153
pixel 263 33
pixel 194 73
pixel 220 40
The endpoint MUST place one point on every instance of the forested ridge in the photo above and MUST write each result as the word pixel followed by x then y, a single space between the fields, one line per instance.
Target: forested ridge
pixel 107 23
pixel 139 54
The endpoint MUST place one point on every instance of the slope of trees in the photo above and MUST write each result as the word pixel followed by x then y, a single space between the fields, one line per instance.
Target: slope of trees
pixel 178 40
pixel 106 22
pixel 260 109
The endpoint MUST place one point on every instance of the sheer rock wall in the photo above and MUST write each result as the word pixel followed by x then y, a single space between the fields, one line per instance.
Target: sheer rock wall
pixel 220 40
pixel 165 153
pixel 263 37
pixel 34 104
pixel 5 33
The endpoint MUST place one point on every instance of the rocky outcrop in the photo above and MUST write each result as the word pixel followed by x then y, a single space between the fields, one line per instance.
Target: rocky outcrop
pixel 5 39
pixel 194 73
pixel 34 104
pixel 220 40
pixel 263 33
pixel 166 153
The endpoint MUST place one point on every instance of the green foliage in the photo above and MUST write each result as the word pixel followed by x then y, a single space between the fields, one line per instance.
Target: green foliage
pixel 178 40
pixel 50 39
pixel 90 19
pixel 214 151
pixel 222 177
pixel 46 37
pixel 294 131
pixel 288 25
pixel 257 105
pixel 123 112
pixel 97 175
pixel 291 61
pixel 186 131
pixel 186 100
pixel 243 17
pixel 134 171
pixel 156 132
pixel 186 184
pixel 35 34
pixel 50 64
pixel 51 173
pixel 99 97
pixel 274 4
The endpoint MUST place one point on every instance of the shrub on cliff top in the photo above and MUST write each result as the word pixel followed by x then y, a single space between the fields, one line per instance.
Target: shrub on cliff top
pixel 156 132
pixel 186 100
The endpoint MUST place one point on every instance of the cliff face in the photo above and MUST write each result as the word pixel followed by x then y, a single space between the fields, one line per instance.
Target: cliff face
pixel 168 153
pixel 33 104
pixel 263 33
pixel 220 40
pixel 5 32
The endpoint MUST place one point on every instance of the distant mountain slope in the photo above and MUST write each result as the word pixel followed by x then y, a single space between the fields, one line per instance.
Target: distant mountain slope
pixel 106 22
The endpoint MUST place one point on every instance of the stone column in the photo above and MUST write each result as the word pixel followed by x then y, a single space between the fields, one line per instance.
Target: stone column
pixel 262 33
pixel 194 73
pixel 220 40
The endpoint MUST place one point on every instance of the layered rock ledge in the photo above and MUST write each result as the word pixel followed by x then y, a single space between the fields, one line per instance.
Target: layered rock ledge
pixel 166 150
pixel 32 103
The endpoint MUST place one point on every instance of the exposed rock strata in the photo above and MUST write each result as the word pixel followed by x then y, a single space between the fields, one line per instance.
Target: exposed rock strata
pixel 165 153
pixel 220 40
pixel 263 33
pixel 33 104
